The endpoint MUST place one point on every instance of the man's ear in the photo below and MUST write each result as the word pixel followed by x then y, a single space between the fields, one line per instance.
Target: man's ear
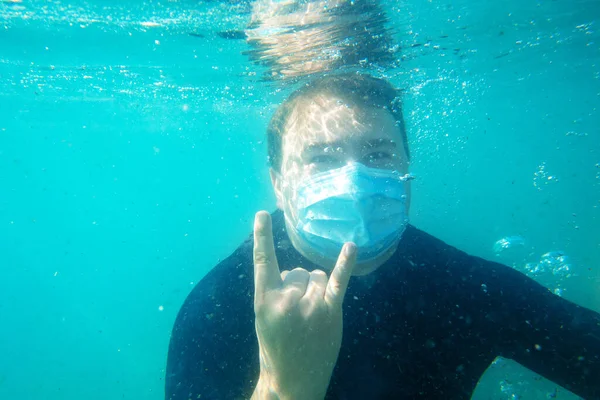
pixel 277 185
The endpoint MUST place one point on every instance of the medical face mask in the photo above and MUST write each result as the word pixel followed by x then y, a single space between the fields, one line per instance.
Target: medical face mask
pixel 354 203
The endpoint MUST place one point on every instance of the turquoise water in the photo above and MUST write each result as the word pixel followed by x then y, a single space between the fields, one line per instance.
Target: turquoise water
pixel 133 159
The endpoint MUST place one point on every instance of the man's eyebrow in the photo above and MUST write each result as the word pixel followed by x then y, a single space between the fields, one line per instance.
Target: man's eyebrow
pixel 379 142
pixel 367 144
pixel 318 147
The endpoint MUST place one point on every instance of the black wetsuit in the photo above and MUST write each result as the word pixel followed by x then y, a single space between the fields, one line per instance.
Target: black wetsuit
pixel 425 325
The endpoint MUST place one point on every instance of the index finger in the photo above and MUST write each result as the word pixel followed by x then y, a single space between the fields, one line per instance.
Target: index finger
pixel 340 276
pixel 266 269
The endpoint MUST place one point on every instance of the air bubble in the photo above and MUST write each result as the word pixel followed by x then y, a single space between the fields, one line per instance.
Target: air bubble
pixel 507 243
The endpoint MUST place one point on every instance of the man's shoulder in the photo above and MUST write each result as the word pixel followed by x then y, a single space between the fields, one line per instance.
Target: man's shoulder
pixel 232 277
pixel 421 249
pixel 417 245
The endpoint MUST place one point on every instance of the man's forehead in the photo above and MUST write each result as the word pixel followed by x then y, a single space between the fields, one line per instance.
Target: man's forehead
pixel 338 126
pixel 314 137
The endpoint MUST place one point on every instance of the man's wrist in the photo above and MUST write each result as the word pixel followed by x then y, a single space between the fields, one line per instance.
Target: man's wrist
pixel 268 388
pixel 264 391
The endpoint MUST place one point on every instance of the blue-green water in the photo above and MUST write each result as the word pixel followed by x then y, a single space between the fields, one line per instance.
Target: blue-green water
pixel 133 158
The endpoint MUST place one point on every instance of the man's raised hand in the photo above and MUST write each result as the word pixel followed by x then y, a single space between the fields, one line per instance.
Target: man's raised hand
pixel 298 320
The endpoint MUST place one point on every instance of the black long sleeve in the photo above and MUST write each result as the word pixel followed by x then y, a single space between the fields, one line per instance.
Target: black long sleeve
pixel 546 333
pixel 424 325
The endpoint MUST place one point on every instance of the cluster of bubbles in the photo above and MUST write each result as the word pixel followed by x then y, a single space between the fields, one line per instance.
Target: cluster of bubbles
pixel 507 243
pixel 518 389
pixel 556 262
pixel 508 388
pixel 552 268
pixel 541 177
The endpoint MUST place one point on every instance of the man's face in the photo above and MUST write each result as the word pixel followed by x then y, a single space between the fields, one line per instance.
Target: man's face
pixel 328 134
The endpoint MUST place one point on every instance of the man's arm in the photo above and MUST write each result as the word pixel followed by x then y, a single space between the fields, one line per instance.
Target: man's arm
pixel 213 352
pixel 546 333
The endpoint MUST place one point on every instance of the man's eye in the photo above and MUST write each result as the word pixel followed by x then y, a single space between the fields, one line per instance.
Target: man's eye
pixel 378 156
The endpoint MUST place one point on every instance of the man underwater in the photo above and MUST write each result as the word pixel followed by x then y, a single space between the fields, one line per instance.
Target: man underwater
pixel 421 319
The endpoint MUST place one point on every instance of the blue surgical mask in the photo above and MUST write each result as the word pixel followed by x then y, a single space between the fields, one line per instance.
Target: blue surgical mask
pixel 354 203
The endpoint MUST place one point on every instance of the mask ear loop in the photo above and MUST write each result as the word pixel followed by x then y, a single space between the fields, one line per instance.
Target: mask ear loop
pixel 283 183
pixel 278 175
pixel 284 192
pixel 278 185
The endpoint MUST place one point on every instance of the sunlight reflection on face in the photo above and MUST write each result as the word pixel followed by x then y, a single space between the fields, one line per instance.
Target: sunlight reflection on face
pixel 329 133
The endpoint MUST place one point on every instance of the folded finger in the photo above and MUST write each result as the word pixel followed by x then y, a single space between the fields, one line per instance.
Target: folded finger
pixel 316 284
pixel 296 280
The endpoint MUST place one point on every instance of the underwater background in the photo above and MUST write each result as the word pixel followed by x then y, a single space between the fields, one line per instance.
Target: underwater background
pixel 133 158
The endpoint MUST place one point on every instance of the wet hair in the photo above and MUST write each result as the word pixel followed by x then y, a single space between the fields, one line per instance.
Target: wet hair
pixel 360 90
